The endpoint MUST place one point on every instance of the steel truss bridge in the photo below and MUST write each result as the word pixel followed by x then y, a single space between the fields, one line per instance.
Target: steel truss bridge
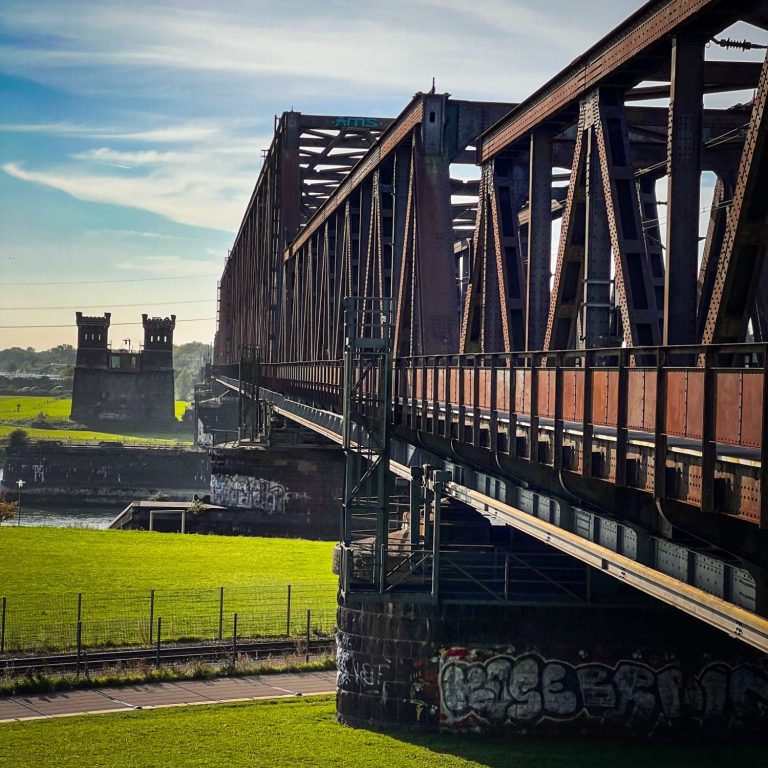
pixel 615 410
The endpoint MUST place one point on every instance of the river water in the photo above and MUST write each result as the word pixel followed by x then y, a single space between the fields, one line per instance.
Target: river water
pixel 65 515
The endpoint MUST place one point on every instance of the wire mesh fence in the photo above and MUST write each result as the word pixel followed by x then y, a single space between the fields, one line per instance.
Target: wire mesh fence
pixel 50 622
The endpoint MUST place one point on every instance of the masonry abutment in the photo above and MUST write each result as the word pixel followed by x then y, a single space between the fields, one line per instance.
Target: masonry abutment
pixel 547 671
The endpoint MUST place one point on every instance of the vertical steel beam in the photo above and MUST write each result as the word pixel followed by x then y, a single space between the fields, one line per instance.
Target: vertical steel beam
pixel 654 248
pixel 407 319
pixel 435 263
pixel 289 183
pixel 595 319
pixel 683 198
pixel 539 239
pixel 635 296
pixel 494 305
pixel 718 219
pixel 569 271
pixel 746 240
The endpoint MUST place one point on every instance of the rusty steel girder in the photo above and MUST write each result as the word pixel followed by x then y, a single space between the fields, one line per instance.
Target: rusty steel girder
pixel 308 157
pixel 389 230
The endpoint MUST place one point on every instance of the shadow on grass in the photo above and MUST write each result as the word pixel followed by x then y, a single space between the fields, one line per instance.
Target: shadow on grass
pixel 525 752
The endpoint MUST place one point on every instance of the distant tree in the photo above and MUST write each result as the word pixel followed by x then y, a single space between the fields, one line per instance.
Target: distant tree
pixel 187 361
pixel 18 438
pixel 7 509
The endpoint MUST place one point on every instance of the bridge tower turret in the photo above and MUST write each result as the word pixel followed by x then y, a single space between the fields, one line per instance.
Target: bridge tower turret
pixel 92 340
pixel 158 343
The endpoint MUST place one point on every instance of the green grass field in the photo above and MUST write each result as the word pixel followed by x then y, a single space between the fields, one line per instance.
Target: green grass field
pixel 290 733
pixel 18 410
pixel 42 570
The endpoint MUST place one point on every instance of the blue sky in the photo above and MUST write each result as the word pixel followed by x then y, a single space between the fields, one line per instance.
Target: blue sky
pixel 131 133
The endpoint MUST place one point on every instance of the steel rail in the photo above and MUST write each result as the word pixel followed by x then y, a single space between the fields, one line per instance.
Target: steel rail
pixel 167 654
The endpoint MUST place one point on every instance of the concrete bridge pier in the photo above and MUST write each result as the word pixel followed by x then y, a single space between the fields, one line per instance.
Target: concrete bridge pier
pixel 546 671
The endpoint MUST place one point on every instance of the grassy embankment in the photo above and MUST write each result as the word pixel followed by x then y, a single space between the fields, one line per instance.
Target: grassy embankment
pixel 43 569
pixel 17 411
pixel 287 733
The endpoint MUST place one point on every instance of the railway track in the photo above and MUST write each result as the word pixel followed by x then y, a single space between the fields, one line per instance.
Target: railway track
pixel 163 655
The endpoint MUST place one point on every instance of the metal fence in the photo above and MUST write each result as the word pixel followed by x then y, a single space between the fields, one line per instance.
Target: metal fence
pixel 50 622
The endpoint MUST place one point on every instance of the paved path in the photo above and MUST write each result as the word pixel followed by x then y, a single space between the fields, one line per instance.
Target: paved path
pixel 132 697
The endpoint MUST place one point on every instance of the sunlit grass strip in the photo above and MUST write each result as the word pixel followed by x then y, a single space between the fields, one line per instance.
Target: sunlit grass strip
pixel 116 572
pixel 16 411
pixel 286 733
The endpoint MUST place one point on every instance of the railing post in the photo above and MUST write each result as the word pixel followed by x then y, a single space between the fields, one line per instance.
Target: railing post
pixel 288 614
pixel 2 625
pixel 533 441
pixel 660 430
pixel 708 445
pixel 586 419
pixel 462 404
pixel 159 638
pixel 493 425
pixel 435 398
pixel 512 411
pixel 764 446
pixel 557 459
pixel 622 433
pixel 309 624
pixel 475 401
pixel 447 398
pixel 79 606
pixel 221 612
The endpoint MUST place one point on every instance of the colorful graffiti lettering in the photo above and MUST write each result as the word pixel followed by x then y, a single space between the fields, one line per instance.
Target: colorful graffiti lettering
pixel 523 690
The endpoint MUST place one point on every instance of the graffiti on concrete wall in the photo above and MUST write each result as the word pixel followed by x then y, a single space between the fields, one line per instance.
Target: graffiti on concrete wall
pixel 353 673
pixel 523 690
pixel 252 493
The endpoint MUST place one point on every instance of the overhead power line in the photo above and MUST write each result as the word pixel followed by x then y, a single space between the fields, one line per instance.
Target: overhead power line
pixel 128 280
pixel 111 325
pixel 117 306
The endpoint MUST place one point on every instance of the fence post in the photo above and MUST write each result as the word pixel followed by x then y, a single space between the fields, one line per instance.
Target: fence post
pixel 151 614
pixel 159 632
pixel 288 614
pixel 2 626
pixel 79 644
pixel 79 606
pixel 309 619
pixel 221 612
pixel 234 640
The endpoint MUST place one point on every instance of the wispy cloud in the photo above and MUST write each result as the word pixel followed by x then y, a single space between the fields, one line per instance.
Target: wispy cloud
pixel 172 266
pixel 500 49
pixel 197 197
pixel 181 133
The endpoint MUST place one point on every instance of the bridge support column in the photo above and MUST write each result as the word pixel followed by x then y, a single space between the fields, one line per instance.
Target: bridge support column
pixel 546 670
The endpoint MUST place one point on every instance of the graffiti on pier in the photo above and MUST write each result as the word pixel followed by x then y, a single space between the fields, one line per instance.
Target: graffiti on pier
pixel 365 676
pixel 523 690
pixel 252 493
